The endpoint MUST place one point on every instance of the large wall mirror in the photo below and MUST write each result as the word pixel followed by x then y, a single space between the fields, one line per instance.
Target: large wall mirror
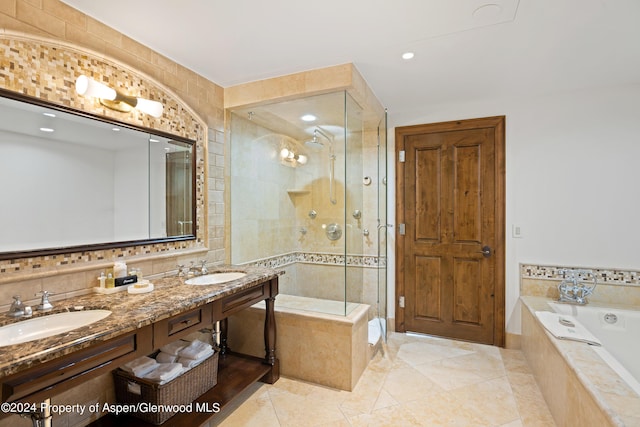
pixel 72 181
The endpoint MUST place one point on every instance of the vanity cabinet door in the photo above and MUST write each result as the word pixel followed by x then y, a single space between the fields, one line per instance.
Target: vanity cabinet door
pixel 63 373
pixel 173 328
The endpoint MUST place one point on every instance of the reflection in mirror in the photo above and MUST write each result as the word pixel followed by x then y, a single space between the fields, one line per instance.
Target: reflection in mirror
pixel 75 181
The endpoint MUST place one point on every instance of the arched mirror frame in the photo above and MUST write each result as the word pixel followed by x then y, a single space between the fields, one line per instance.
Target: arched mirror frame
pixel 116 244
pixel 43 68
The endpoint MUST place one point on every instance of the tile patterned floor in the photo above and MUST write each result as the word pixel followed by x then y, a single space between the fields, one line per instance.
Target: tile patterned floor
pixel 414 381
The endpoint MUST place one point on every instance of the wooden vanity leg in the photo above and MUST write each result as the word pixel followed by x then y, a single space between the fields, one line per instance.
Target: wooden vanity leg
pixel 224 328
pixel 270 342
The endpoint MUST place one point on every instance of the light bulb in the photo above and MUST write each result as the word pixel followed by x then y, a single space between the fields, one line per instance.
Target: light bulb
pixel 152 108
pixel 89 87
pixel 302 159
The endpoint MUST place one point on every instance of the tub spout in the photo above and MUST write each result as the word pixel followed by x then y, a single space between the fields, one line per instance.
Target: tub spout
pixel 572 289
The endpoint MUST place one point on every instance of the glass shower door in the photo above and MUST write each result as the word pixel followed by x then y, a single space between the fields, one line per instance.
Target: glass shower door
pixel 383 227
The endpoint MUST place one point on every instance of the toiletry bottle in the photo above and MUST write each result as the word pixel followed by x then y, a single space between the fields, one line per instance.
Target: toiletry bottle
pixel 110 282
pixel 102 279
pixel 119 269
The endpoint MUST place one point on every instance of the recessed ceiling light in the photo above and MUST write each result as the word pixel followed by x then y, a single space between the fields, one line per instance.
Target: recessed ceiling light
pixel 48 114
pixel 408 55
pixel 308 118
pixel 153 140
pixel 116 129
pixel 46 129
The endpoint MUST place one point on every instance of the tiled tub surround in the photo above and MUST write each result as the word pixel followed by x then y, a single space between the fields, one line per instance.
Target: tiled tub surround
pixel 322 276
pixel 326 349
pixel 615 286
pixel 579 387
pixel 129 312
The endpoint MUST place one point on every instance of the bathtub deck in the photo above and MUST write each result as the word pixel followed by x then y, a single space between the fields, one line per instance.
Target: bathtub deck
pixel 580 388
pixel 322 348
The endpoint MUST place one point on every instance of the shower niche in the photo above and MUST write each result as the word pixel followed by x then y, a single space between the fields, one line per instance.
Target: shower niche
pixel 299 164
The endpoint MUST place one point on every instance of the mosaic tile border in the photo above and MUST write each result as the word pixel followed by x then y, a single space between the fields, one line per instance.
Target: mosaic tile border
pixel 47 69
pixel 607 276
pixel 366 261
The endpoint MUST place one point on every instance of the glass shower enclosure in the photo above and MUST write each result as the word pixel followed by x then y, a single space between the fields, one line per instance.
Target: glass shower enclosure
pixel 308 196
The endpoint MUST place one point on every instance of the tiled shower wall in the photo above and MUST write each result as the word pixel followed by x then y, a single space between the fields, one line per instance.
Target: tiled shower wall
pixel 45 45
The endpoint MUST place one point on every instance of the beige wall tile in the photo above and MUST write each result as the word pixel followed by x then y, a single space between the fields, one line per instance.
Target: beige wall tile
pixel 66 13
pixel 8 7
pixel 36 17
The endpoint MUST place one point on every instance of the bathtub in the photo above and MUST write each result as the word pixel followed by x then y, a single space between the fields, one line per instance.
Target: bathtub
pixel 583 384
pixel 619 332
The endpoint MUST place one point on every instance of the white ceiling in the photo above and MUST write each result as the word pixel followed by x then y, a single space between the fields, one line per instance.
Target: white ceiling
pixel 509 48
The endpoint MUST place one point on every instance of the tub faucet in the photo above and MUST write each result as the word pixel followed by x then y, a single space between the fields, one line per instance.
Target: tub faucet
pixel 572 290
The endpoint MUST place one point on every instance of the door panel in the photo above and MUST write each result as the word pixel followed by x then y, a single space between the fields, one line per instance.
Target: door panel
pixel 451 200
pixel 427 298
pixel 428 194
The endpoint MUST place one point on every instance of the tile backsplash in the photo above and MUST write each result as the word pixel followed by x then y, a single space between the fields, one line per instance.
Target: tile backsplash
pixel 614 286
pixel 607 276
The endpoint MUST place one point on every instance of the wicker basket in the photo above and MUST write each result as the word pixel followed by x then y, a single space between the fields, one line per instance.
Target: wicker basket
pixel 180 391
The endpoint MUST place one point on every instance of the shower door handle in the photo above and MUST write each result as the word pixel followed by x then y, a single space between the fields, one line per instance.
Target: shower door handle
pixel 486 251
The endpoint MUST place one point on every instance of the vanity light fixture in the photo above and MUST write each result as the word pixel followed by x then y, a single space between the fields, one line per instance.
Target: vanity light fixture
pixel 115 100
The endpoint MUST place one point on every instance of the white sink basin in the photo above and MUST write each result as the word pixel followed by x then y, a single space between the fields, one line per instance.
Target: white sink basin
pixel 215 278
pixel 48 325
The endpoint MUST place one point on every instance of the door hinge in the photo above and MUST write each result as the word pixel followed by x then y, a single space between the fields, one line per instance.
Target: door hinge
pixel 402 229
pixel 401 301
pixel 401 156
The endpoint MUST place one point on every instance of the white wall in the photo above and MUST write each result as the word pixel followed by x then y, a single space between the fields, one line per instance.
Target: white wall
pixel 572 177
pixel 48 180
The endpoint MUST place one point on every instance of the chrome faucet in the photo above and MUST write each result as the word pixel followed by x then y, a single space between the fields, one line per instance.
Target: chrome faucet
pixel 193 270
pixel 198 271
pixel 572 290
pixel 17 307
pixel 44 304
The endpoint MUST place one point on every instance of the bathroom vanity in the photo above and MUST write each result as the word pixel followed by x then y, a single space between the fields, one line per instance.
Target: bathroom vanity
pixel 139 325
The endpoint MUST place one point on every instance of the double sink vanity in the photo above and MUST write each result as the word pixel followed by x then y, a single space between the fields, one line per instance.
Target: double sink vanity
pixel 129 326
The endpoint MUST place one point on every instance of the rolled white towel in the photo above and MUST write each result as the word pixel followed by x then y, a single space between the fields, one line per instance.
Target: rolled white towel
pixel 140 366
pixel 163 357
pixel 197 350
pixel 174 347
pixel 190 363
pixel 165 372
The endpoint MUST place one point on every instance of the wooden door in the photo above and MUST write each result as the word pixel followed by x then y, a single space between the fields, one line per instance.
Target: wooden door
pixel 450 259
pixel 179 182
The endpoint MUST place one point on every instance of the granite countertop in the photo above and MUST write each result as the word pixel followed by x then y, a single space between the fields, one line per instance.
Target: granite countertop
pixel 171 296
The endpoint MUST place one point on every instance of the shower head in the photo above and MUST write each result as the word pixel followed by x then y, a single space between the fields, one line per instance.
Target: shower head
pixel 315 142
